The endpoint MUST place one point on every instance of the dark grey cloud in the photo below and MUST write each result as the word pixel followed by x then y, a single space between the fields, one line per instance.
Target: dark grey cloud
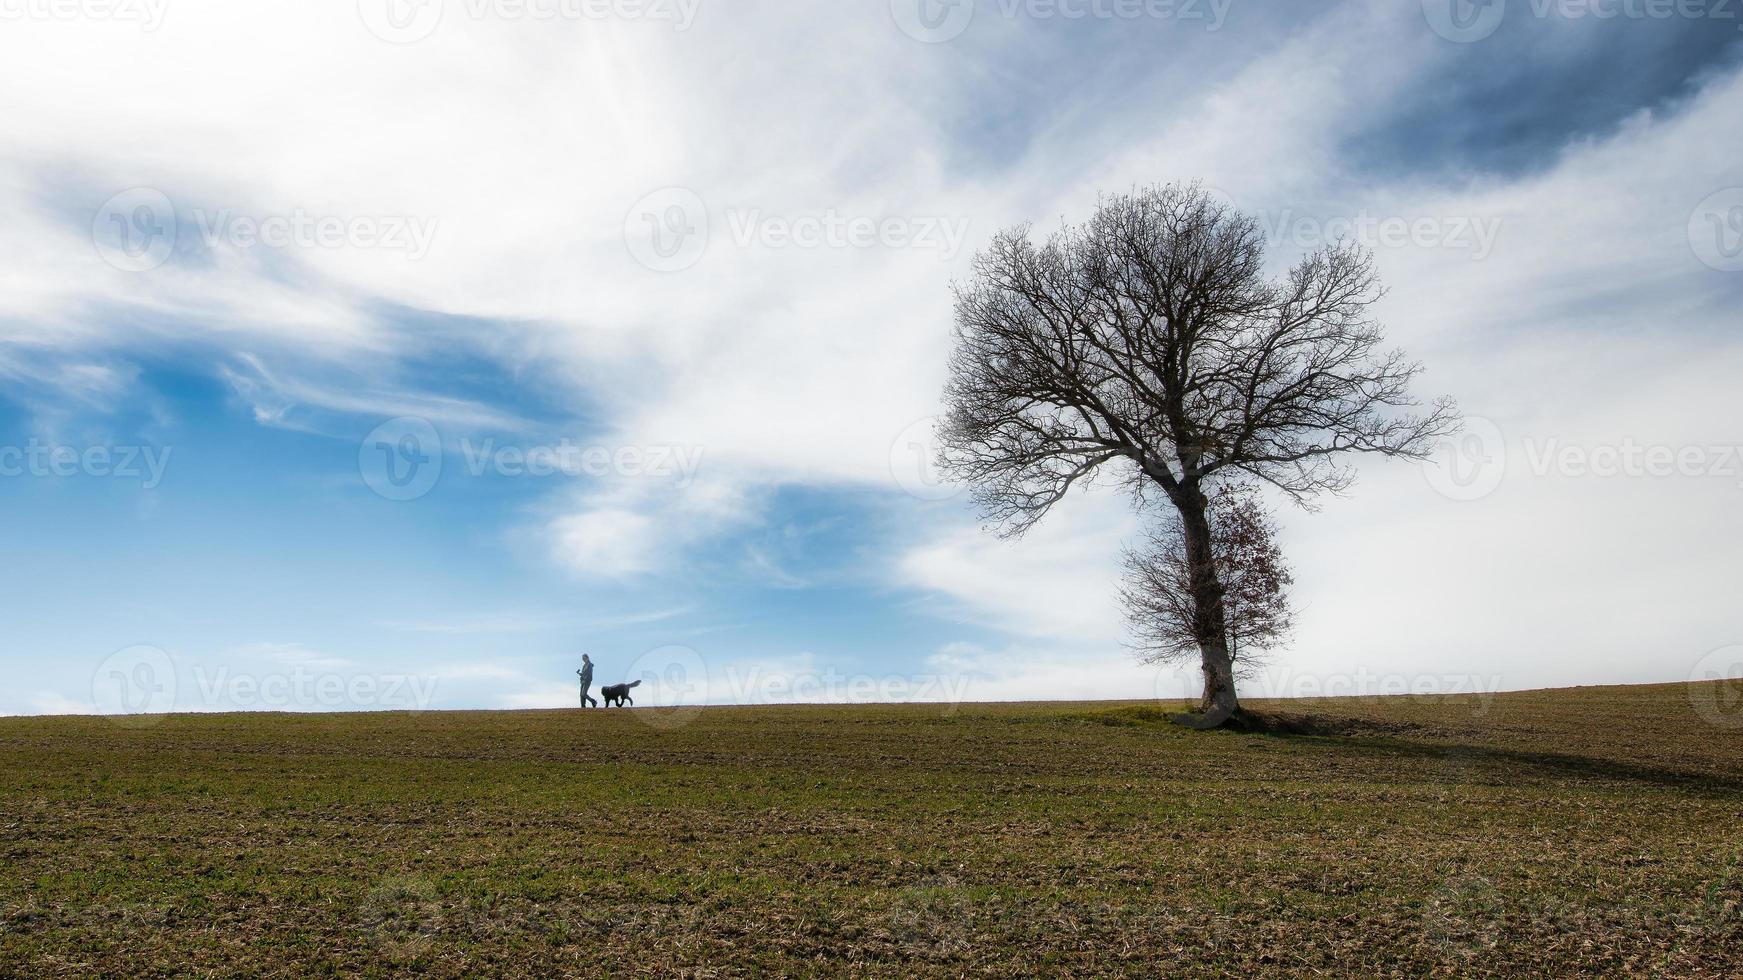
pixel 1502 105
pixel 1507 104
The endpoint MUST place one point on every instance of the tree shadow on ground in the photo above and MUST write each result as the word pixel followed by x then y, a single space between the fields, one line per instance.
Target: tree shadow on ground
pixel 1459 751
pixel 1502 766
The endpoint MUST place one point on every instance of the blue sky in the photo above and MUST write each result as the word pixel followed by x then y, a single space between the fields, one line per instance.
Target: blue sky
pixel 714 250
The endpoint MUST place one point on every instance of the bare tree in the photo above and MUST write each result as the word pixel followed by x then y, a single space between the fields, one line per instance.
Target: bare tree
pixel 1150 337
pixel 1256 611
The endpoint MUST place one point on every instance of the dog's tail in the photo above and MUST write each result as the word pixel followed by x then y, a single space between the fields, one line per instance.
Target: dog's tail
pixel 633 684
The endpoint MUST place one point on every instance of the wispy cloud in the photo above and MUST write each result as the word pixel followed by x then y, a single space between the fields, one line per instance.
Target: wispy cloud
pixel 289 654
pixel 274 397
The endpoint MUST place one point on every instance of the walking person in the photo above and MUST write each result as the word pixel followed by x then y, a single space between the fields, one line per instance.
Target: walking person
pixel 586 675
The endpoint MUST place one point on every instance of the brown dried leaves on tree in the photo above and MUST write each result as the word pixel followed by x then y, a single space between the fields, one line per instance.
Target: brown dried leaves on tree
pixel 1257 613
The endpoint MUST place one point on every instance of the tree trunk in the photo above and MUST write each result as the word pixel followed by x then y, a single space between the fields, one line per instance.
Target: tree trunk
pixel 1219 702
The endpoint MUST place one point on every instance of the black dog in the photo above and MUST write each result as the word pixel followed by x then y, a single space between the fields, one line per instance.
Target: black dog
pixel 618 693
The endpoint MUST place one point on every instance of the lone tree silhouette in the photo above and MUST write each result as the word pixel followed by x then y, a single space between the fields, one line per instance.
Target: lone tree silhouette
pixel 1150 337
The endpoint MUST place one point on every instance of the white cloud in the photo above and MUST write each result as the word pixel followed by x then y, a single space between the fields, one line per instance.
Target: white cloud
pixel 627 526
pixel 1057 583
pixel 609 542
